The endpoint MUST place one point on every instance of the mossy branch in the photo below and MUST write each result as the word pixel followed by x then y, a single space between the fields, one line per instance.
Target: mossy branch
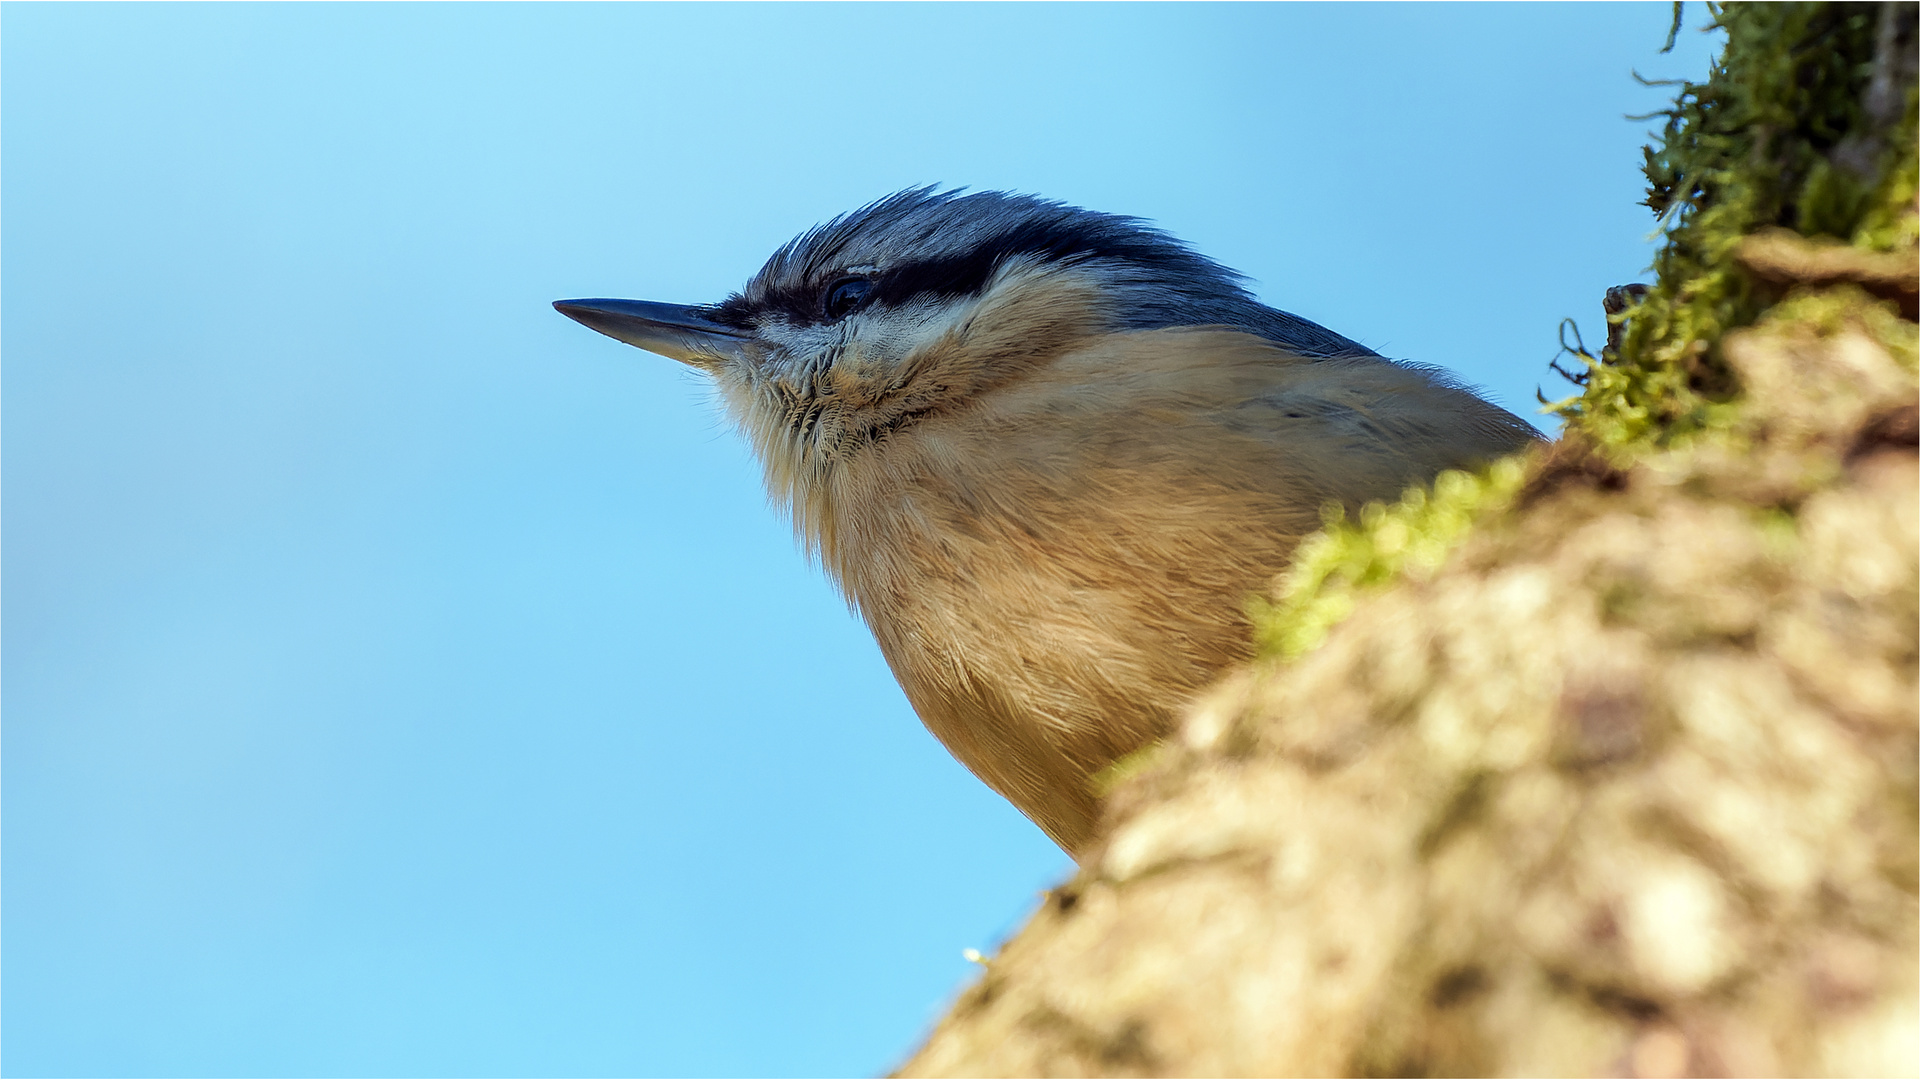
pixel 1788 171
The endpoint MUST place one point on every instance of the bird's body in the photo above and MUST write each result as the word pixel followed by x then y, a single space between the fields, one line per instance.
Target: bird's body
pixel 1050 499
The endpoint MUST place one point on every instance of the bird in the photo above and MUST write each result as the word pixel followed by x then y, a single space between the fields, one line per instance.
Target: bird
pixel 1048 454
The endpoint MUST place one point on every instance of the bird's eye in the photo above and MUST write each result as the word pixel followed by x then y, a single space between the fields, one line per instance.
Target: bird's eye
pixel 845 295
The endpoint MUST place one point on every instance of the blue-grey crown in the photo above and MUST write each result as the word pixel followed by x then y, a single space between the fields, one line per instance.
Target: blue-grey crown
pixel 945 243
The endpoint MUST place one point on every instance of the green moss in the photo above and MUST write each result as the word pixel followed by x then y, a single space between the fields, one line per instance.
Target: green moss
pixel 1776 136
pixel 1410 538
pixel 1126 768
pixel 1889 223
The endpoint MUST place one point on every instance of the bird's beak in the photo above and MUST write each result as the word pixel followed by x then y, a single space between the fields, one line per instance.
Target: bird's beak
pixel 679 333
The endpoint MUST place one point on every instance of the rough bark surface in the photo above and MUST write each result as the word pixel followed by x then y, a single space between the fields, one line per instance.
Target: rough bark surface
pixel 1628 787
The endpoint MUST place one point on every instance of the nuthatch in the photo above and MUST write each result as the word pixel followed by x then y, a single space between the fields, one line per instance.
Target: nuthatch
pixel 1048 454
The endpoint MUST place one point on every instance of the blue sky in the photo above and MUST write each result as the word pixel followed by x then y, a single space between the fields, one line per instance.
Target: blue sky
pixel 401 679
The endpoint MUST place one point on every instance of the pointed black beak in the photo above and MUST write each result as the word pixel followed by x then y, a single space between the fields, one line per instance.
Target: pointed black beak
pixel 677 332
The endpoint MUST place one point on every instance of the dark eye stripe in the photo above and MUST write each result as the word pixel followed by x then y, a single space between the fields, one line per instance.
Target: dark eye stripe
pixel 1065 239
pixel 966 274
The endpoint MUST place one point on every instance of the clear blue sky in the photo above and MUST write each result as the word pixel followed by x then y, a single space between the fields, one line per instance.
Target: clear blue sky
pixel 401 679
